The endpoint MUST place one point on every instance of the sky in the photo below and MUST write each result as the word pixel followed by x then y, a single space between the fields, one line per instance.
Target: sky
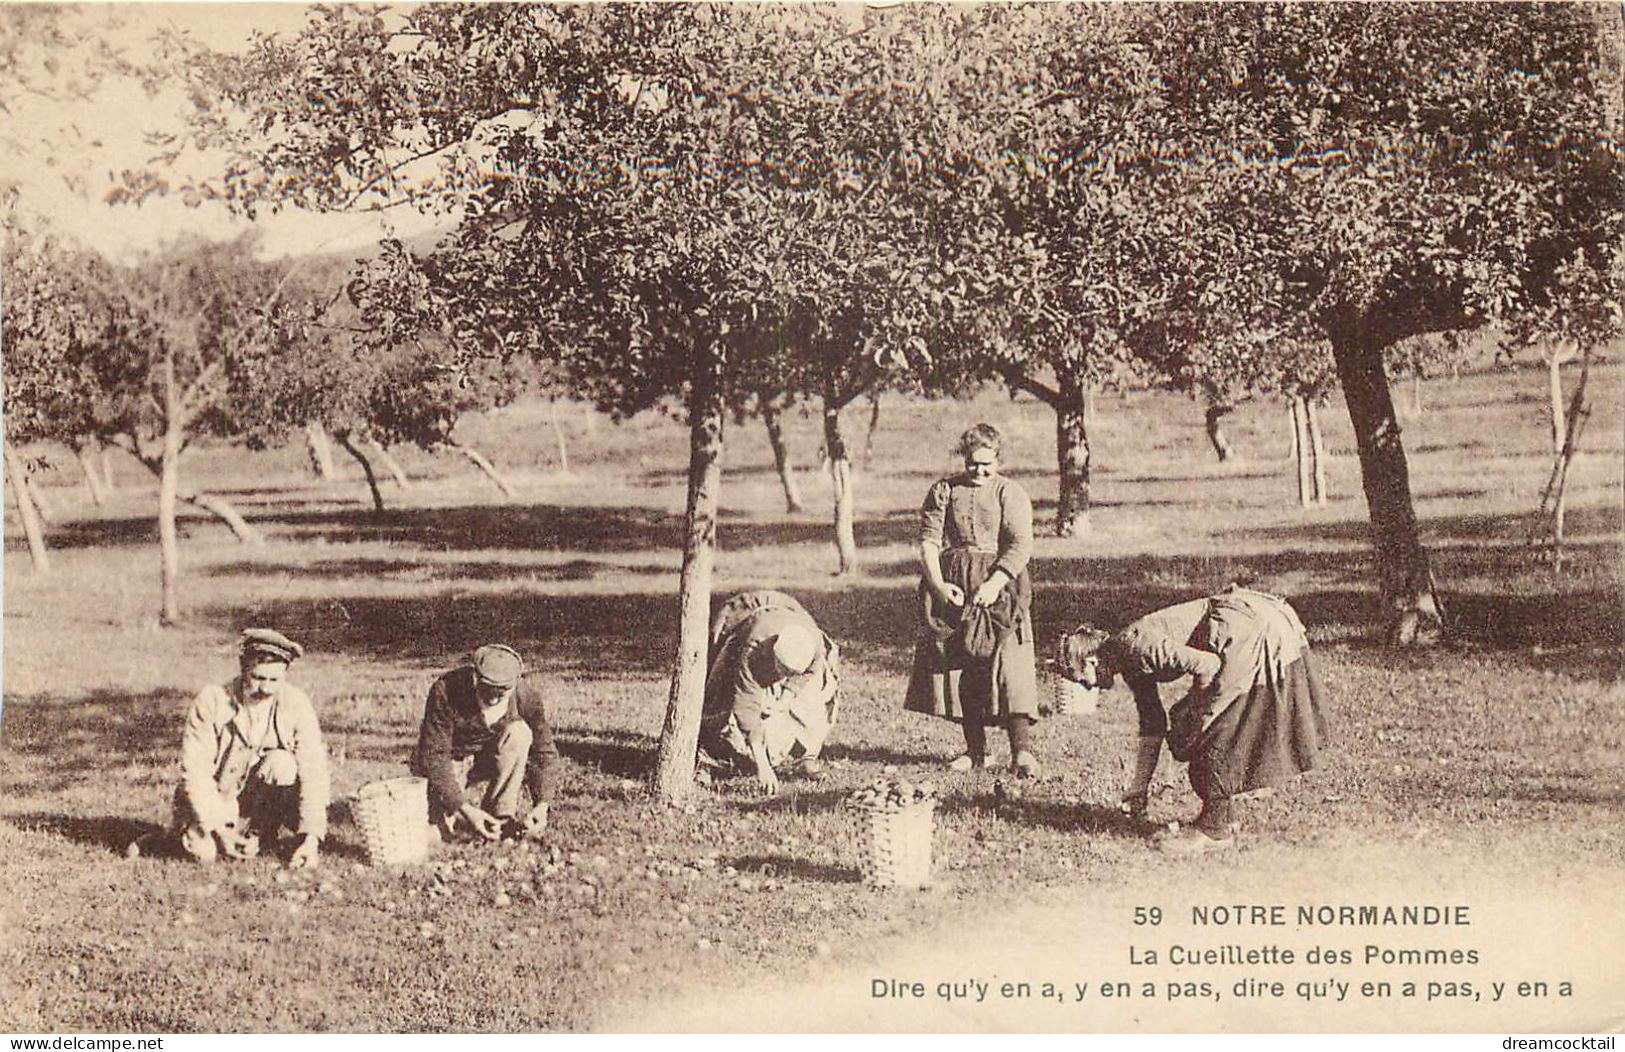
pixel 64 149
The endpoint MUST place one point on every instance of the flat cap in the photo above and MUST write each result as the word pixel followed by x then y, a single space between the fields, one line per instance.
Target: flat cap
pixel 498 666
pixel 796 648
pixel 267 644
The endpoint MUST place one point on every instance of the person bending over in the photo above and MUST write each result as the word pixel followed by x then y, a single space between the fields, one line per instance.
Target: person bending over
pixel 1251 718
pixel 772 689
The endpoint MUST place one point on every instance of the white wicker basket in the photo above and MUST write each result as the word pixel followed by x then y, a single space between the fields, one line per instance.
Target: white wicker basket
pixel 393 816
pixel 895 845
pixel 1070 698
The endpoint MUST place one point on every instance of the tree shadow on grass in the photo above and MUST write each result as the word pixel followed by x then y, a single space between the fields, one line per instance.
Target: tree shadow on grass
pixel 431 569
pixel 611 635
pixel 396 751
pixel 876 754
pixel 619 635
pixel 112 833
pixel 618 754
pixel 1193 572
pixel 484 527
pixel 1551 794
pixel 1256 468
pixel 1043 507
pixel 76 739
pixel 1109 593
pixel 105 530
pixel 570 528
pixel 344 839
pixel 735 532
pixel 116 833
pixel 1584 619
pixel 100 533
pixel 1466 548
pixel 787 867
pixel 1594 522
pixel 797 795
pixel 1063 816
pixel 477 527
pixel 1457 493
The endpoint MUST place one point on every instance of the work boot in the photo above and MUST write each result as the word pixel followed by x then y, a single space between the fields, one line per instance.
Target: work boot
pixel 1134 804
pixel 1191 841
pixel 152 845
pixel 199 845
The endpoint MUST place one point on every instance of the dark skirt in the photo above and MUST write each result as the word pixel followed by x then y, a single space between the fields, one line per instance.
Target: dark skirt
pixel 1267 738
pixel 948 683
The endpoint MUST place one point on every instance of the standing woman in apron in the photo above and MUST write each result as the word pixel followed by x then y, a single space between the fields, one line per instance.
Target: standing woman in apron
pixel 975 662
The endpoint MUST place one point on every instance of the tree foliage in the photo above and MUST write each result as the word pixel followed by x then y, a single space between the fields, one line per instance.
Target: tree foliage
pixel 1392 170
pixel 186 345
pixel 686 204
pixel 63 312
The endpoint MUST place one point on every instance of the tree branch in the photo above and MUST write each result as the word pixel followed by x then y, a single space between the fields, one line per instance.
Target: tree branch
pixel 132 445
pixel 390 173
pixel 189 405
pixel 1017 377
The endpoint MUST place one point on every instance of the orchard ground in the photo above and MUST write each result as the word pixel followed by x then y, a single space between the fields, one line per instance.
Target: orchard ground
pixel 1492 762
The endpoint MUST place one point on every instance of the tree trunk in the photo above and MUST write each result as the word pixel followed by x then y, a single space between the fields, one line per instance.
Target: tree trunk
pixel 1416 394
pixel 1411 610
pixel 1214 416
pixel 42 504
pixel 1554 394
pixel 1317 448
pixel 781 458
pixel 1300 445
pixel 391 465
pixel 680 735
pixel 486 468
pixel 109 483
pixel 16 472
pixel 366 469
pixel 1072 453
pixel 93 483
pixel 840 473
pixel 1558 487
pixel 1293 451
pixel 218 506
pixel 558 438
pixel 169 472
pixel 874 425
pixel 1559 511
pixel 320 451
pixel 226 512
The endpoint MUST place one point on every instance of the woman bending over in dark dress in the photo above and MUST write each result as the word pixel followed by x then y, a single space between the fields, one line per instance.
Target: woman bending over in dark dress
pixel 1252 716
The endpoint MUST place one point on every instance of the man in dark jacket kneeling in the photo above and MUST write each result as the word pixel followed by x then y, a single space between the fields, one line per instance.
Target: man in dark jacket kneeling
pixel 484 741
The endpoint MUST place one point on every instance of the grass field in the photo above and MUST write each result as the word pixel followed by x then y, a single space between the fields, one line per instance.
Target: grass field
pixel 1503 743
